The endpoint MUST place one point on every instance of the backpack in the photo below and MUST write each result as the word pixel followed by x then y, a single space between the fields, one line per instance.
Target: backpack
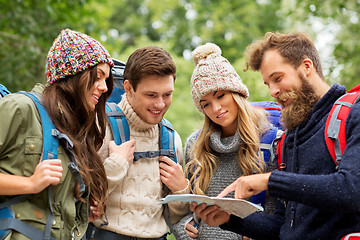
pixel 276 128
pixel 335 135
pixel 51 139
pixel 117 72
pixel 120 127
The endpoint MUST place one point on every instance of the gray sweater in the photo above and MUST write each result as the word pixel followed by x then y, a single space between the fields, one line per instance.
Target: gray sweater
pixel 226 150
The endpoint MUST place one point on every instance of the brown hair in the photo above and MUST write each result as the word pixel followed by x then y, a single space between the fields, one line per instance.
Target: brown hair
pixel 67 106
pixel 148 61
pixel 293 47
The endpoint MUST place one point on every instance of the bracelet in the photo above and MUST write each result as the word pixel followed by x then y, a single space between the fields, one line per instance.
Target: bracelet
pixel 195 219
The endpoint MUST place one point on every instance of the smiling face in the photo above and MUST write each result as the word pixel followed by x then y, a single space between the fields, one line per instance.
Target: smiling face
pixel 279 76
pixel 99 87
pixel 290 87
pixel 152 97
pixel 222 109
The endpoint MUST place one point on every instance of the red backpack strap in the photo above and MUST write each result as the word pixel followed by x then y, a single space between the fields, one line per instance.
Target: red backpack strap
pixel 279 151
pixel 351 236
pixel 335 135
pixel 355 89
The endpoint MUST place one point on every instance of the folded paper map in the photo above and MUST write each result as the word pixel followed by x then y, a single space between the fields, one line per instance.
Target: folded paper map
pixel 237 207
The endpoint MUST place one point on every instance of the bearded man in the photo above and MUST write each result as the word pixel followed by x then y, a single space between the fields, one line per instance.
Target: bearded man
pixel 317 198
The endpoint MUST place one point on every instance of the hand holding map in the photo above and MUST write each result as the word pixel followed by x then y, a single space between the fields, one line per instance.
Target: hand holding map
pixel 237 207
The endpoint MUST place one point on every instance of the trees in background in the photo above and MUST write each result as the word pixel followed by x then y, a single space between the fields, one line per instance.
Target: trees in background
pixel 28 27
pixel 339 22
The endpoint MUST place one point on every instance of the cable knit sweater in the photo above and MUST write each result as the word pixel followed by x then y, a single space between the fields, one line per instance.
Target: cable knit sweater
pixel 226 150
pixel 132 208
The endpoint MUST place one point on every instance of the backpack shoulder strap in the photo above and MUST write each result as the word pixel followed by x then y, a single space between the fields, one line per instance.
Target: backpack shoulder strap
pixel 335 135
pixel 265 150
pixel 121 133
pixel 118 123
pixel 3 91
pixel 167 143
pixel 50 133
pixel 266 141
pixel 278 144
pixel 51 137
pixel 266 145
pixel 167 139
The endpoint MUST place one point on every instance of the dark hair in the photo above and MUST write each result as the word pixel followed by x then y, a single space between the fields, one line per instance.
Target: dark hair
pixel 148 61
pixel 294 47
pixel 67 106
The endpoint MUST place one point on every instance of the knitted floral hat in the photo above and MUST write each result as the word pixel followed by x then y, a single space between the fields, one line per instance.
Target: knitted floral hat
pixel 213 73
pixel 73 52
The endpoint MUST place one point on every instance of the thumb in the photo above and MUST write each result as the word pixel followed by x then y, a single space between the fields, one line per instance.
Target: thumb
pixel 131 142
pixel 227 190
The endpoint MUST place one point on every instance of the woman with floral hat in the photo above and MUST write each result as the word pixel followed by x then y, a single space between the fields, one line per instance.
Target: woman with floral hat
pixel 79 80
pixel 228 144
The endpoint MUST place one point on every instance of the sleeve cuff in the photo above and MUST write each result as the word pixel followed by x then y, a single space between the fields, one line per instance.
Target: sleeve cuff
pixel 185 190
pixel 115 164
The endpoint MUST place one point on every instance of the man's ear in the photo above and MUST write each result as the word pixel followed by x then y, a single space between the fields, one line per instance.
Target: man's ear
pixel 127 87
pixel 308 66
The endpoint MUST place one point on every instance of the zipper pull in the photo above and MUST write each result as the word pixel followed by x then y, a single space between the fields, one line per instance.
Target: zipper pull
pixel 292 217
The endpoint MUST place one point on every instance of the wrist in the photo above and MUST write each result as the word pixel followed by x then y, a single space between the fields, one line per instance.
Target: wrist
pixel 266 180
pixel 29 186
pixel 184 189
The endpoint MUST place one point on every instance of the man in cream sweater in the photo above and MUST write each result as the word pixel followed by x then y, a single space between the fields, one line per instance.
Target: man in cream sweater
pixel 132 210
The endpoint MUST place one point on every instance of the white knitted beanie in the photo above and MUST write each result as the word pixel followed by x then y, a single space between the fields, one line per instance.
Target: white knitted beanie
pixel 213 73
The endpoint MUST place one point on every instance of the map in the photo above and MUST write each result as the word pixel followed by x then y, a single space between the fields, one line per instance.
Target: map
pixel 237 207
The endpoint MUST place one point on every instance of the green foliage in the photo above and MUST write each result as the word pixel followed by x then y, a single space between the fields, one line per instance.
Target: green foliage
pixel 28 27
pixel 233 24
pixel 342 18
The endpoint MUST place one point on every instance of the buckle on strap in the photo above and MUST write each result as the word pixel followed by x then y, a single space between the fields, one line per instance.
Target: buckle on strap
pixel 168 153
pixel 73 167
pixel 151 154
pixel 59 135
pixel 75 170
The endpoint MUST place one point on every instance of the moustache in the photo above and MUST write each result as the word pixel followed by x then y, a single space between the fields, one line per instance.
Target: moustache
pixel 283 97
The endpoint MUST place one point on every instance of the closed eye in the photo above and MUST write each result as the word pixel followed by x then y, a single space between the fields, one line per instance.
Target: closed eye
pixel 221 95
pixel 205 105
pixel 277 79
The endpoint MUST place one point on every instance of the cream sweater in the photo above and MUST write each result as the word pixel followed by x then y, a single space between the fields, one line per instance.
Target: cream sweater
pixel 132 208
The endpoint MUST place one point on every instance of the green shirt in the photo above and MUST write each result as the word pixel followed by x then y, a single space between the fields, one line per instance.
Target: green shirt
pixel 20 151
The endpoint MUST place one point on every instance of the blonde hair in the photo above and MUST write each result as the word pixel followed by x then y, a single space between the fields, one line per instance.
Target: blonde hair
pixel 251 125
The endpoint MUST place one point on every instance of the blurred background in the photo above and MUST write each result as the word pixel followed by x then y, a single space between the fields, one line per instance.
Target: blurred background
pixel 28 27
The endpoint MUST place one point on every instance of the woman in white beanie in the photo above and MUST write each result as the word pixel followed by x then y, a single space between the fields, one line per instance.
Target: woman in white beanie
pixel 228 144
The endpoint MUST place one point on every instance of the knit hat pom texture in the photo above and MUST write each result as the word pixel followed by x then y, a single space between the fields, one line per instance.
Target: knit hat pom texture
pixel 205 50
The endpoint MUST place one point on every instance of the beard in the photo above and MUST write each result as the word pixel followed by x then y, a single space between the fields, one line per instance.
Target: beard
pixel 302 102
